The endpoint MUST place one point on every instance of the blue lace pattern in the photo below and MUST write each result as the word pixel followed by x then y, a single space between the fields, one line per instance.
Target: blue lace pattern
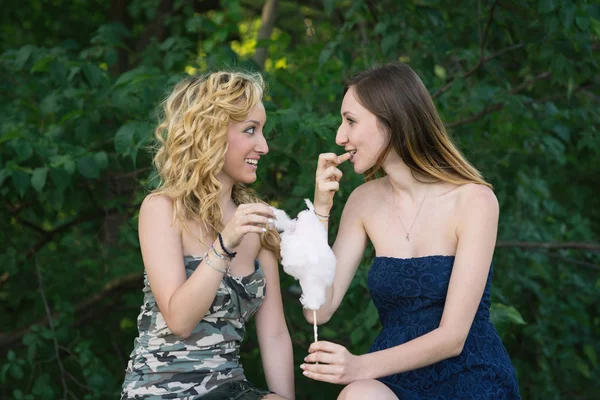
pixel 409 294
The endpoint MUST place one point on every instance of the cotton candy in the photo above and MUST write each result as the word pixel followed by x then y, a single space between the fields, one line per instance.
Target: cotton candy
pixel 306 255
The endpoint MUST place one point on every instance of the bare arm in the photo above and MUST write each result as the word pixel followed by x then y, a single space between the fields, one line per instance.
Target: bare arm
pixel 273 336
pixel 348 248
pixel 182 302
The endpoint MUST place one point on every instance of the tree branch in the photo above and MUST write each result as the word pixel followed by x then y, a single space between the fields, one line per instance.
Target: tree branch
pixel 487 29
pixel 267 22
pixel 51 325
pixel 482 59
pixel 112 290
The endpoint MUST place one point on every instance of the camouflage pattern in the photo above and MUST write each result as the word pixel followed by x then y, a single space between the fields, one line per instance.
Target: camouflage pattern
pixel 165 366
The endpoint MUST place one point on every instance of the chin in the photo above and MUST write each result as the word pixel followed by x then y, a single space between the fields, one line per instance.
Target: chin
pixel 359 170
pixel 246 180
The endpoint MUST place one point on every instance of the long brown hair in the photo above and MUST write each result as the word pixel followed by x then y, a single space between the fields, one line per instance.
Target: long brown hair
pixel 395 94
pixel 191 142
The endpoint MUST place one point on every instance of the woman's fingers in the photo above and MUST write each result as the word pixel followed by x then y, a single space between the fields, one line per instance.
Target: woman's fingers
pixel 328 159
pixel 331 173
pixel 323 345
pixel 322 357
pixel 256 208
pixel 256 219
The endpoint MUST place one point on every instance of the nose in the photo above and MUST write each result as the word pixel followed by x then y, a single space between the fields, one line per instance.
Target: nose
pixel 262 147
pixel 341 138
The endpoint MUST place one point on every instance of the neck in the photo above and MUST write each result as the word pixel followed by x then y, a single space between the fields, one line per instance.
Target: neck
pixel 402 179
pixel 225 197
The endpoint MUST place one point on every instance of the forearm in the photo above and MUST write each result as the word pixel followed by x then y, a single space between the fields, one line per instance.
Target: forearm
pixel 278 362
pixel 190 303
pixel 428 349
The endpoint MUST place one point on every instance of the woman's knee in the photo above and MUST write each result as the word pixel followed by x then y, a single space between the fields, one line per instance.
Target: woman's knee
pixel 367 389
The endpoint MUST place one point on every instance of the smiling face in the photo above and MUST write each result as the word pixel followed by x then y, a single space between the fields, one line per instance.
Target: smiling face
pixel 246 144
pixel 360 132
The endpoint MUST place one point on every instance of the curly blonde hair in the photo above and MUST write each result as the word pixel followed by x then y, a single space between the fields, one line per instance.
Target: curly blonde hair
pixel 192 142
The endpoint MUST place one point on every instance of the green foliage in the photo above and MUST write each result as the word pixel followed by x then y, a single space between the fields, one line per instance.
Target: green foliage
pixel 515 82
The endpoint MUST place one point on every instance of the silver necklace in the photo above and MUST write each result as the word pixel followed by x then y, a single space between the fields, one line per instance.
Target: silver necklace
pixel 416 216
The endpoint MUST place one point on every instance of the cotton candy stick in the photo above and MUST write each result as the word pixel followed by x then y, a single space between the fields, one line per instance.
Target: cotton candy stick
pixel 306 255
pixel 315 325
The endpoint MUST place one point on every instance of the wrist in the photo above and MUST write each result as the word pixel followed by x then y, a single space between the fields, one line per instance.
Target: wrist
pixel 323 209
pixel 366 370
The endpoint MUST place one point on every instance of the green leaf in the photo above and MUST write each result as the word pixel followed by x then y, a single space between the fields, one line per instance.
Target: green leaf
pixel 38 178
pixel 21 181
pixel 5 173
pixel 130 137
pixel 92 73
pixel 56 199
pixel 60 177
pixel 546 6
pixel 50 104
pixel 101 159
pixel 23 56
pixel 595 26
pixel 591 354
pixel 356 336
pixel 567 14
pixel 499 313
pixel 87 167
pixel 389 41
pixel 124 138
pixel 23 149
pixel 16 371
pixel 583 23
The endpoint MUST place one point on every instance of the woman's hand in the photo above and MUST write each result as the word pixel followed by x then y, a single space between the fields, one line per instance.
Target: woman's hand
pixel 250 217
pixel 327 180
pixel 335 364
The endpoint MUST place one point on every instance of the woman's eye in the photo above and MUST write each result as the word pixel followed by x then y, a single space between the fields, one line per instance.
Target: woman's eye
pixel 350 121
pixel 250 130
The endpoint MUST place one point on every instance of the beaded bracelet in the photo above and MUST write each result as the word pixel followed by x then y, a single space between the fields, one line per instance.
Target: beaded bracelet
pixel 210 264
pixel 323 218
pixel 231 254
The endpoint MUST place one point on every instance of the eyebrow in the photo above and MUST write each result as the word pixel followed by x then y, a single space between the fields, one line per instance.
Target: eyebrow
pixel 252 120
pixel 348 112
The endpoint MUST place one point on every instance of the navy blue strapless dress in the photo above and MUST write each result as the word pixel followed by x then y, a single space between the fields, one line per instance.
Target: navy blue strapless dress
pixel 409 294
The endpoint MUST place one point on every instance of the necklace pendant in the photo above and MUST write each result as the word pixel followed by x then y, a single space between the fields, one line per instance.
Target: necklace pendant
pixel 407 237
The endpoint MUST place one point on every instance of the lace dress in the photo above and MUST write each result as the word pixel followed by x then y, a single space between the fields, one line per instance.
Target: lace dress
pixel 409 294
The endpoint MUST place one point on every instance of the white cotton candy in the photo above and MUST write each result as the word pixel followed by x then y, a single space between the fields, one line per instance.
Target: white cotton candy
pixel 306 255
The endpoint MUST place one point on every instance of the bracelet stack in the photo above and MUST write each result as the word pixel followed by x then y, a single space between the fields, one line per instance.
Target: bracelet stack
pixel 210 264
pixel 227 257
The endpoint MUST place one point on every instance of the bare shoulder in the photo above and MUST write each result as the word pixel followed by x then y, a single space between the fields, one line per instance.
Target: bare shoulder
pixel 473 197
pixel 368 191
pixel 156 207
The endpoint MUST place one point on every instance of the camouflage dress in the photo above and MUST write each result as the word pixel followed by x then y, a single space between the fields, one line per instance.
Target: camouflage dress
pixel 165 366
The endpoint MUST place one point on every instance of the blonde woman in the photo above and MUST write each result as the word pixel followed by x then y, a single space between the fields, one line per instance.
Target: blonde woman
pixel 210 260
pixel 432 220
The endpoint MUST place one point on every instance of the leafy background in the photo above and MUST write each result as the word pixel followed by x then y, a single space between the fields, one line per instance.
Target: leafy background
pixel 515 81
